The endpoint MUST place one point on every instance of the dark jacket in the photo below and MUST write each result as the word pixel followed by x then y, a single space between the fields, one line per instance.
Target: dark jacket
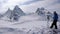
pixel 55 16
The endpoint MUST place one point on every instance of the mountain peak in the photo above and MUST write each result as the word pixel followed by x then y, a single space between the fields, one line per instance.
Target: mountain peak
pixel 40 11
pixel 42 8
pixel 18 11
pixel 16 7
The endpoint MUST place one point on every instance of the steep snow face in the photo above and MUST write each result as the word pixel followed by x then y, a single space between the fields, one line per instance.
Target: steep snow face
pixel 18 11
pixel 7 15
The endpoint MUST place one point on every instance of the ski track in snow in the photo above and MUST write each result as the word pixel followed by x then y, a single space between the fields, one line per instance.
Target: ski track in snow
pixel 30 24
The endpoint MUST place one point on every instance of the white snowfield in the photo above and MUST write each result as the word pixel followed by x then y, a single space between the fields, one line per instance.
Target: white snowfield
pixel 29 24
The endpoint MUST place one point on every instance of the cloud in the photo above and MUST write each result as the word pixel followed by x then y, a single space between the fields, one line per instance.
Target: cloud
pixel 29 5
pixel 29 2
pixel 58 1
pixel 2 1
pixel 5 4
pixel 48 4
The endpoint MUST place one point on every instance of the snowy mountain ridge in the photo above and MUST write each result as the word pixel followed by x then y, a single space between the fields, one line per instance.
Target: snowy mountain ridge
pixel 13 14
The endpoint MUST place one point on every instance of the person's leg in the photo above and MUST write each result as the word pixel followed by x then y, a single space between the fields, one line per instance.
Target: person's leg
pixel 56 24
pixel 52 24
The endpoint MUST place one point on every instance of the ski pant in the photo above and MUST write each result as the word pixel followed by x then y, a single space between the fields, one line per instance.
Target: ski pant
pixel 54 24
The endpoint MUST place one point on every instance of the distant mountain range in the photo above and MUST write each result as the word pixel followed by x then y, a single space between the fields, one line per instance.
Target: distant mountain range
pixel 15 13
pixel 42 11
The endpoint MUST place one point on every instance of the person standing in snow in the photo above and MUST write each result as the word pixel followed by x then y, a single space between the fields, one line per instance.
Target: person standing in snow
pixel 55 19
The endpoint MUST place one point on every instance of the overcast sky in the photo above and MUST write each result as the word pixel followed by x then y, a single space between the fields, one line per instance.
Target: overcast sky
pixel 29 6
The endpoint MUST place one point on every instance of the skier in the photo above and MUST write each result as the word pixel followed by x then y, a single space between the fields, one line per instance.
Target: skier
pixel 55 19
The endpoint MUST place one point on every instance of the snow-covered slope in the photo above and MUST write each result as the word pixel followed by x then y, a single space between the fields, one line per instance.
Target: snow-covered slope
pixel 7 15
pixel 29 24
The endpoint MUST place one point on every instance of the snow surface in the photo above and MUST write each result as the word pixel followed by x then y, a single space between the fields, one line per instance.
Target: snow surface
pixel 29 24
